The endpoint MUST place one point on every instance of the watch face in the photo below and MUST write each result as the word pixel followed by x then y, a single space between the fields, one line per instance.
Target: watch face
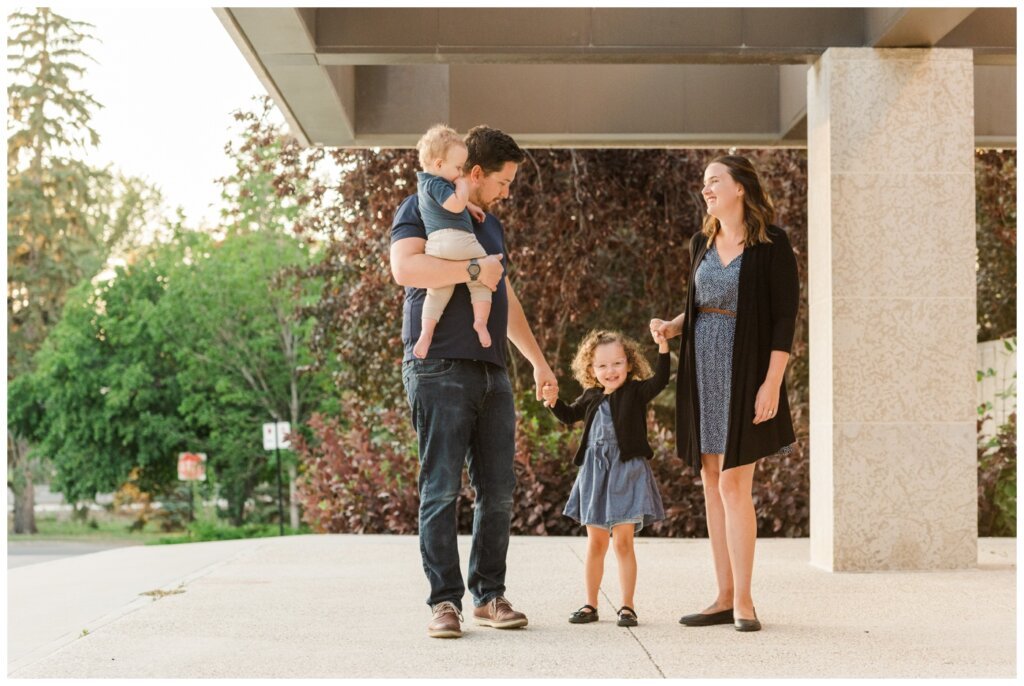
pixel 474 270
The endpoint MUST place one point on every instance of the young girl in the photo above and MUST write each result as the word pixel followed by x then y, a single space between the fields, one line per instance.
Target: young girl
pixel 615 494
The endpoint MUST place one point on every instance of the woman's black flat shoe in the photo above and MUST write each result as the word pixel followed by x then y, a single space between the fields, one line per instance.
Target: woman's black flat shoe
pixel 627 616
pixel 698 619
pixel 581 616
pixel 748 624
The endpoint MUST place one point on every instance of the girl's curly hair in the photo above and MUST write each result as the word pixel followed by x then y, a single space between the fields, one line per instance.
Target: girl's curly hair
pixel 583 362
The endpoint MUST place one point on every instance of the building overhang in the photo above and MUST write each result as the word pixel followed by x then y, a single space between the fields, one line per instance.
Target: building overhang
pixel 592 77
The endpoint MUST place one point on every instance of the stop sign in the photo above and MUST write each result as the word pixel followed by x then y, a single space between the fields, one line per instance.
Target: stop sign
pixel 192 466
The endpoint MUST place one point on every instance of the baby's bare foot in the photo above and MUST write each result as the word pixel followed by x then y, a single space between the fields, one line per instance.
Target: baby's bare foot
pixel 480 326
pixel 422 346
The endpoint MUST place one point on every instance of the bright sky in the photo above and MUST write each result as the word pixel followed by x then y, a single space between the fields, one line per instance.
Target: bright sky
pixel 168 80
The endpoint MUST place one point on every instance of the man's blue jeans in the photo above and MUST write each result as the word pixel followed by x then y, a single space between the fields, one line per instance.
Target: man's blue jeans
pixel 463 412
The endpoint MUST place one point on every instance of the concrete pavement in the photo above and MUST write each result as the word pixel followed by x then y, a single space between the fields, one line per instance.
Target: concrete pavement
pixel 21 553
pixel 50 604
pixel 353 606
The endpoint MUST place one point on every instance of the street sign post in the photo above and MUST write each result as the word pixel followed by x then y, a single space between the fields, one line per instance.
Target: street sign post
pixel 275 437
pixel 191 468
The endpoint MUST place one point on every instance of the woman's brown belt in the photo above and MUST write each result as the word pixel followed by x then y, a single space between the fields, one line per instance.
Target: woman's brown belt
pixel 716 310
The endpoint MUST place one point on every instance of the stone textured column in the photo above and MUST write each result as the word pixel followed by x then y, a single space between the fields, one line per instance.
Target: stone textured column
pixel 892 309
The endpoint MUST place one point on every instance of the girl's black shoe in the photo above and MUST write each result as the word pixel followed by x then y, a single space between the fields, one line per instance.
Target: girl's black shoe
pixel 583 616
pixel 627 616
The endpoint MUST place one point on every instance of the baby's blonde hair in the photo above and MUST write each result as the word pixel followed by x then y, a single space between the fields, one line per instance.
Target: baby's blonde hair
pixel 436 142
pixel 583 363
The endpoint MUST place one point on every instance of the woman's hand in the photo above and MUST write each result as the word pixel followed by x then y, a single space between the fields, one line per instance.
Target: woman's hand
pixel 660 339
pixel 766 404
pixel 666 329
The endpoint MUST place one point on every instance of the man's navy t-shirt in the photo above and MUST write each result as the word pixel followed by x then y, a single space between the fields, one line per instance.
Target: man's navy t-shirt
pixel 454 337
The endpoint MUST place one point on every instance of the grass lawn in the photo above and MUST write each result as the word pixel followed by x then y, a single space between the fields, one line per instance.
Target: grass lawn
pixel 102 526
pixel 109 527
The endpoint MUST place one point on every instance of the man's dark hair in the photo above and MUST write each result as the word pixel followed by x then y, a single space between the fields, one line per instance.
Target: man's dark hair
pixel 491 149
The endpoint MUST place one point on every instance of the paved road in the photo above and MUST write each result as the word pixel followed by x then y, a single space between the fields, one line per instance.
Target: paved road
pixel 21 553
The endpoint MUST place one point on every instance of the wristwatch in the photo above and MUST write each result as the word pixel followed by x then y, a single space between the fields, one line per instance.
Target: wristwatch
pixel 473 269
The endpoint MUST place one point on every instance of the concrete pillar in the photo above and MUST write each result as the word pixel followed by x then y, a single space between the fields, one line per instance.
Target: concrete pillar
pixel 892 309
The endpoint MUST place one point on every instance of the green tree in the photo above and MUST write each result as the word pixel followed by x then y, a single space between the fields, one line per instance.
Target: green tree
pixel 64 218
pixel 274 192
pixel 195 339
pixel 228 315
pixel 191 347
pixel 108 387
pixel 52 241
pixel 275 179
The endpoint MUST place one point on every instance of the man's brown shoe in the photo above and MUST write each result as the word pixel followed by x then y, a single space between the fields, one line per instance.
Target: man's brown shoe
pixel 498 613
pixel 445 623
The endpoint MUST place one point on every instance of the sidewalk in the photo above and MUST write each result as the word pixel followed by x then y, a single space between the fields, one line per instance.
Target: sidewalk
pixel 353 606
pixel 21 553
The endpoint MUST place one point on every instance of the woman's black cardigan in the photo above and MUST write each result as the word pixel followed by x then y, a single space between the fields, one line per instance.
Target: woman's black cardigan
pixel 629 412
pixel 766 309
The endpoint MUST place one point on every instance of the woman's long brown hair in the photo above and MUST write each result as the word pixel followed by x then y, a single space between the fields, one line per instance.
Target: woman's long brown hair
pixel 758 209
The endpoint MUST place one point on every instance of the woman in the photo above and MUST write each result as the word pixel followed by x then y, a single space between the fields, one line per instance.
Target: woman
pixel 731 404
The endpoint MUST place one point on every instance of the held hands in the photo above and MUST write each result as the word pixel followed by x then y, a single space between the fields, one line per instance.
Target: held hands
pixel 666 329
pixel 550 394
pixel 766 404
pixel 660 339
pixel 546 382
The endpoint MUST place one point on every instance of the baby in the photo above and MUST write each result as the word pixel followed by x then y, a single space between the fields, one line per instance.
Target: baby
pixel 445 208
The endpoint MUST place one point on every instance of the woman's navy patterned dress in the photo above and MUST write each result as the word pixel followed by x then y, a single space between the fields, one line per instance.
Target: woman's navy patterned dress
pixel 716 286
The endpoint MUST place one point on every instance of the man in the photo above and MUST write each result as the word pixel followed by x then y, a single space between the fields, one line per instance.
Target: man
pixel 461 397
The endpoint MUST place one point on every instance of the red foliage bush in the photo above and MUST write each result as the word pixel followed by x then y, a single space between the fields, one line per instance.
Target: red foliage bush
pixel 359 478
pixel 596 238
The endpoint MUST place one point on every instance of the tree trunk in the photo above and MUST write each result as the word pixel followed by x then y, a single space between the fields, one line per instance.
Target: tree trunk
pixel 293 503
pixel 21 484
pixel 25 508
pixel 294 411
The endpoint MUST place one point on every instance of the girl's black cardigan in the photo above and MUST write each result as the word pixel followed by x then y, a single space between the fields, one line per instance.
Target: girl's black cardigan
pixel 629 412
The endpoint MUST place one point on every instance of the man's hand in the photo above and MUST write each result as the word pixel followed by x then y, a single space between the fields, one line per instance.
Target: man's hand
pixel 491 271
pixel 522 337
pixel 546 382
